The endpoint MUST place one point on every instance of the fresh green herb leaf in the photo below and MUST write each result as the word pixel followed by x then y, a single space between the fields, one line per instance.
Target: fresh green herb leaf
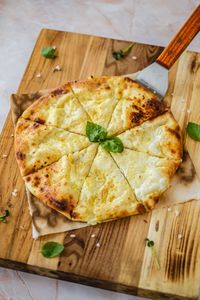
pixel 95 132
pixel 49 52
pixel 122 52
pixel 3 218
pixel 151 245
pixel 113 144
pixel 52 249
pixel 193 131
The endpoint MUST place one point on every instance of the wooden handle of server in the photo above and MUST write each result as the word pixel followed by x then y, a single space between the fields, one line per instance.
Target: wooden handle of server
pixel 183 38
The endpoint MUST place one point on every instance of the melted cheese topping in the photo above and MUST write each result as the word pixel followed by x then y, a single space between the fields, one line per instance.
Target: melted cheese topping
pixel 61 111
pixel 42 145
pixel 105 193
pixel 149 176
pixel 155 137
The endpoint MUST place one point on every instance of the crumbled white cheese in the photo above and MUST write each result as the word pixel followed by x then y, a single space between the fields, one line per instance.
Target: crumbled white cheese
pixel 93 235
pixel 54 47
pixel 98 245
pixel 177 213
pixel 14 194
pixel 57 68
pixel 134 57
pixel 169 209
pixel 38 75
pixel 15 190
pixel 180 236
pixel 72 236
pixel 4 155
pixel 12 135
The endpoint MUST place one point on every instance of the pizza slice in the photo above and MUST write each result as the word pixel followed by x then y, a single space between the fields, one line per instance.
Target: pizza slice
pixel 59 185
pixel 38 145
pixel 60 108
pixel 149 176
pixel 160 136
pixel 136 105
pixel 98 96
pixel 106 194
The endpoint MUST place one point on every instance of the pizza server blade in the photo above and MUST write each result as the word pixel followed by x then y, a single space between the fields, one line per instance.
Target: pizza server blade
pixel 155 76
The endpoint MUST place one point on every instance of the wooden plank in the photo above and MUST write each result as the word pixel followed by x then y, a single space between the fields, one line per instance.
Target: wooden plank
pixel 122 262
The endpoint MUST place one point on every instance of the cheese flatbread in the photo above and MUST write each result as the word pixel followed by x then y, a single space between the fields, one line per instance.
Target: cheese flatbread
pixel 148 175
pixel 59 184
pixel 38 145
pixel 106 193
pixel 160 136
pixel 79 179
pixel 137 105
pixel 61 109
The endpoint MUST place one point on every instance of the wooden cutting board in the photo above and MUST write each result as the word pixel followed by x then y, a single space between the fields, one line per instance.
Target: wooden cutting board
pixel 122 262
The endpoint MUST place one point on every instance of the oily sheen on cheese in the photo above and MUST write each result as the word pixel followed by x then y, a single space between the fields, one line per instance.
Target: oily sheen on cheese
pixel 79 179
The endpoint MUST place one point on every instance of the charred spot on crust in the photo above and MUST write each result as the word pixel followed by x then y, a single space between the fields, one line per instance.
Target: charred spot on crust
pixel 20 155
pixel 154 104
pixel 136 117
pixel 46 175
pixel 175 132
pixel 74 215
pixel 38 120
pixel 35 125
pixel 36 180
pixel 28 178
pixel 63 205
pixel 60 91
pixel 141 209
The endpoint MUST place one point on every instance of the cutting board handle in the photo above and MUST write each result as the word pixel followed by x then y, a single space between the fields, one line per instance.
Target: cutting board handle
pixel 183 38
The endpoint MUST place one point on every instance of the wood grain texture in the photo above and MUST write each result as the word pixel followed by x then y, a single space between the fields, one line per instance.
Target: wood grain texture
pixel 181 40
pixel 122 262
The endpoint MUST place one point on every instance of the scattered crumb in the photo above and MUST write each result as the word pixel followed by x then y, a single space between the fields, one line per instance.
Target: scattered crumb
pixel 21 227
pixel 12 135
pixel 98 245
pixel 180 236
pixel 14 194
pixel 72 236
pixel 57 68
pixel 188 111
pixel 54 47
pixel 154 92
pixel 4 155
pixel 145 221
pixel 38 75
pixel 15 190
pixel 134 57
pixel 177 213
pixel 169 209
pixel 93 235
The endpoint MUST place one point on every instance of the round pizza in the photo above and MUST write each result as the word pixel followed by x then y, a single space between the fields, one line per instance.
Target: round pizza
pixel 98 149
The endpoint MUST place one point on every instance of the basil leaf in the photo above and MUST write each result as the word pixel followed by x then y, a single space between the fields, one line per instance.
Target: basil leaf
pixel 193 131
pixel 49 52
pixel 52 249
pixel 122 52
pixel 149 243
pixel 113 144
pixel 95 132
pixel 3 218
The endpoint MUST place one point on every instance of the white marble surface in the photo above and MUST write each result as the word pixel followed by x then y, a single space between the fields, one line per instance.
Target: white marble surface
pixel 147 21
